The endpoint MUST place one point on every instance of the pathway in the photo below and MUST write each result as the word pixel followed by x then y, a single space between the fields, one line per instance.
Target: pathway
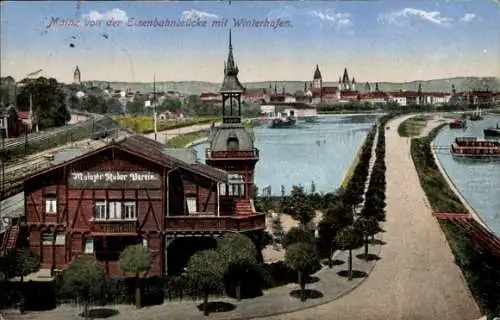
pixel 165 135
pixel 416 277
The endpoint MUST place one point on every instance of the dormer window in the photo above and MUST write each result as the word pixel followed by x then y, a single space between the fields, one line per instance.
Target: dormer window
pixel 232 143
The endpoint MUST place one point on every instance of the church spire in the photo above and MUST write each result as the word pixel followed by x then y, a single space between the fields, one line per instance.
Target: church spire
pixel 231 82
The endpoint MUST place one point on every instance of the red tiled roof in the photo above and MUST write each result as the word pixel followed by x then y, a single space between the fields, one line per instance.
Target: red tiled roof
pixel 209 94
pixel 255 92
pixel 296 105
pixel 403 94
pixel 374 95
pixel 147 149
pixel 330 90
pixel 24 115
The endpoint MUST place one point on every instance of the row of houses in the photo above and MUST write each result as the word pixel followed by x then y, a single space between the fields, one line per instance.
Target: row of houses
pixel 332 95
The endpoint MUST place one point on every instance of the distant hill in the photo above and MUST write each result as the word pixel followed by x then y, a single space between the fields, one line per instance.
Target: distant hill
pixel 197 87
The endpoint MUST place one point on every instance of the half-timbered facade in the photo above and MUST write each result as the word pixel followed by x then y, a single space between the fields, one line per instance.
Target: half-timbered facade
pixel 128 192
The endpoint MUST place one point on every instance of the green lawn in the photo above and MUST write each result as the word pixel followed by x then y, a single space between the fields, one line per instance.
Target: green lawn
pixel 412 127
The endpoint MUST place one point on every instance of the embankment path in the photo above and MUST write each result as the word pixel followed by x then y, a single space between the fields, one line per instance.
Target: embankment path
pixel 416 278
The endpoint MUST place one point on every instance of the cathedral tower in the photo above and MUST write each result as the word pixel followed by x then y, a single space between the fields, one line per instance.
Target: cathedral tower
pixel 76 76
pixel 317 79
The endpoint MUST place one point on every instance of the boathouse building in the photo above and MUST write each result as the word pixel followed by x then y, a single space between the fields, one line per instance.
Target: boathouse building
pixel 137 191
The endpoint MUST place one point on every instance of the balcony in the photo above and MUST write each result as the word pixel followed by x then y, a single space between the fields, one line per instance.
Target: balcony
pixel 231 119
pixel 239 154
pixel 114 227
pixel 215 224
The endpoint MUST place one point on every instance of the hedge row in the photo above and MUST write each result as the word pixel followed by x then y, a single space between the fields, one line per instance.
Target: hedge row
pixel 144 124
pixel 479 266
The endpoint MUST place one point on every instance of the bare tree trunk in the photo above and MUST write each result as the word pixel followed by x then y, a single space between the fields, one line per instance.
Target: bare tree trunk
pixel 21 298
pixel 138 302
pixel 330 257
pixel 85 310
pixel 350 265
pixel 205 303
pixel 366 248
pixel 302 286
pixel 238 289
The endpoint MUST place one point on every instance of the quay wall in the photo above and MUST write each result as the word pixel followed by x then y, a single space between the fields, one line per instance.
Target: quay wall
pixel 454 188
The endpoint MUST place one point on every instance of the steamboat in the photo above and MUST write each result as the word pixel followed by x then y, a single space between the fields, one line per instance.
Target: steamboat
pixel 476 115
pixel 474 148
pixel 492 132
pixel 458 124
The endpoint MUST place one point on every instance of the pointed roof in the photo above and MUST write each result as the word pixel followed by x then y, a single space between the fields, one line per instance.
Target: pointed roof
pixel 317 73
pixel 231 84
pixel 345 77
pixel 77 70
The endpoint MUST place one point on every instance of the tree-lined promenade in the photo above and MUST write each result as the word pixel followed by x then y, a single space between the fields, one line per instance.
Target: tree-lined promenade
pixel 415 277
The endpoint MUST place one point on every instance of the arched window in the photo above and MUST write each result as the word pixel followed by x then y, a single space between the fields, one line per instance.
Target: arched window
pixel 232 143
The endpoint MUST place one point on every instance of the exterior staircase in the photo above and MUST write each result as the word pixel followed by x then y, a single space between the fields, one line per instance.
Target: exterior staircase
pixel 10 238
pixel 243 207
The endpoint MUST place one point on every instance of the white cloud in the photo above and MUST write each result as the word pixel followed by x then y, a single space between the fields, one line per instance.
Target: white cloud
pixel 195 14
pixel 338 19
pixel 469 17
pixel 329 17
pixel 396 17
pixel 115 14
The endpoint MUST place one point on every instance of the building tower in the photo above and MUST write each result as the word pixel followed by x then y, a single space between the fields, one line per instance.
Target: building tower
pixel 368 87
pixel 420 95
pixel 346 85
pixel 353 84
pixel 76 76
pixel 453 90
pixel 232 146
pixel 317 79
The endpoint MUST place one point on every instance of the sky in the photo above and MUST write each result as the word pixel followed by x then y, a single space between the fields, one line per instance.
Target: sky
pixel 393 41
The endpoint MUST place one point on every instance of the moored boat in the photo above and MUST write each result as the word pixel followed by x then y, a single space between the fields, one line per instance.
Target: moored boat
pixel 476 115
pixel 282 122
pixel 458 124
pixel 474 148
pixel 492 132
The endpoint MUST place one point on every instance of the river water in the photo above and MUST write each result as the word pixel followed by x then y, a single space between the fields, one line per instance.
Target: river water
pixel 321 152
pixel 478 182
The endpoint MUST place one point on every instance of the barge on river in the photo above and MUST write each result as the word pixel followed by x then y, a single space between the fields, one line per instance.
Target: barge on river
pixel 474 148
pixel 492 132
pixel 458 124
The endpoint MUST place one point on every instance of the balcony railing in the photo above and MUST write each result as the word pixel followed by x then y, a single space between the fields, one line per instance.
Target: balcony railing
pixel 217 224
pixel 114 226
pixel 231 119
pixel 243 154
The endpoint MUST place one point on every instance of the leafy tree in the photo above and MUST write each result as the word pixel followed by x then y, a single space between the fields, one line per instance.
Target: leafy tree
pixel 75 103
pixel 84 280
pixel 303 258
pixel 349 238
pixel 368 226
pixel 114 106
pixel 20 262
pixel 277 229
pixel 136 107
pixel 206 270
pixel 336 217
pixel 299 206
pixel 49 102
pixel 298 235
pixel 240 254
pixel 136 259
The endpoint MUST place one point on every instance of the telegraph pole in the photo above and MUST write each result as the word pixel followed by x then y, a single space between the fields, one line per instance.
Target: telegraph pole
pixel 154 107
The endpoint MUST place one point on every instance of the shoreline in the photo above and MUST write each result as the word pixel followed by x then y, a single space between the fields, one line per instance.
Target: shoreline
pixel 456 191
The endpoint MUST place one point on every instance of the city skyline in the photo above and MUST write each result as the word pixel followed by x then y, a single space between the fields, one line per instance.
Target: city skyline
pixel 377 41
